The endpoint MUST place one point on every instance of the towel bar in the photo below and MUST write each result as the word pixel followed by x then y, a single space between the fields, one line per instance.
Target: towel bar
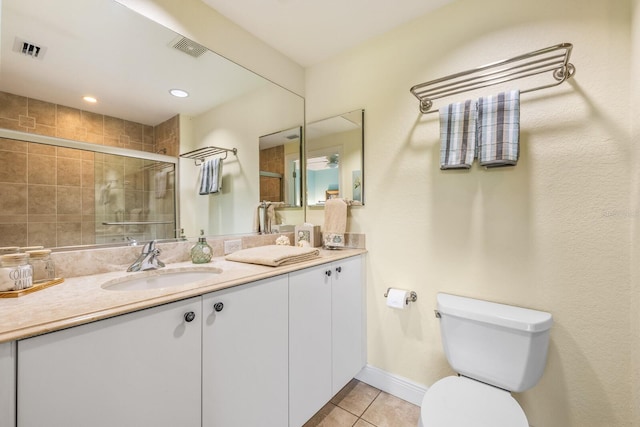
pixel 201 153
pixel 553 59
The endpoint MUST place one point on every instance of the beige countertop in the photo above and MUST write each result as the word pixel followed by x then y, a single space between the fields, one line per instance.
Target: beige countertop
pixel 82 299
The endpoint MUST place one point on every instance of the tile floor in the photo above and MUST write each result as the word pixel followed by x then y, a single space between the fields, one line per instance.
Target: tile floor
pixel 360 405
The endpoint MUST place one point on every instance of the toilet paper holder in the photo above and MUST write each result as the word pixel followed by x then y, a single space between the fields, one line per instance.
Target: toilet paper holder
pixel 413 297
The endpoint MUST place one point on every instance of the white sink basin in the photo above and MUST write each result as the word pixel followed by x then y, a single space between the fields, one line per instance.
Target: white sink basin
pixel 160 279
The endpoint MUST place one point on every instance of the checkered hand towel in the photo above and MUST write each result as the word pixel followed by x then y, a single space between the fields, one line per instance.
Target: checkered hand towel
pixel 458 135
pixel 499 129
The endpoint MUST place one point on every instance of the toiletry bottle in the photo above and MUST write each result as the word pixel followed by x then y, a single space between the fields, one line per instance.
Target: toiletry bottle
pixel 201 253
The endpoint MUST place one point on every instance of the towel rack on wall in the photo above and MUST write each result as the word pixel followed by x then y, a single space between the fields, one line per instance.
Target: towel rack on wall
pixel 553 59
pixel 202 153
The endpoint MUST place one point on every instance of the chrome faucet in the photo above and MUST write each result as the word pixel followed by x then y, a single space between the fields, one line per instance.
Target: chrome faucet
pixel 148 259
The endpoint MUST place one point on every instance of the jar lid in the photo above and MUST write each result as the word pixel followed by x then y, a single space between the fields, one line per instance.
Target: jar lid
pixel 39 253
pixel 31 248
pixel 14 259
pixel 9 249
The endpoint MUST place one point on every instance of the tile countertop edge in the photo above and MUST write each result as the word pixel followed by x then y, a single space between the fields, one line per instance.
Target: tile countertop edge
pixel 85 301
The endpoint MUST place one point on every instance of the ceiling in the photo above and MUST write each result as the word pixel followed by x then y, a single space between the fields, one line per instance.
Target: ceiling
pixel 310 31
pixel 108 51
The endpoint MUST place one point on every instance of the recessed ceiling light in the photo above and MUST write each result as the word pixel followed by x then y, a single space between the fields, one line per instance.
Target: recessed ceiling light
pixel 90 99
pixel 179 93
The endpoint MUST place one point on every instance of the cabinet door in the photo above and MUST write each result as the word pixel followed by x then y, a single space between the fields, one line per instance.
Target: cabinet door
pixel 8 384
pixel 347 321
pixel 138 369
pixel 245 349
pixel 309 342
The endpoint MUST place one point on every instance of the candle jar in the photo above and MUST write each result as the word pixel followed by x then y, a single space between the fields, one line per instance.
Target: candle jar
pixel 43 267
pixel 15 272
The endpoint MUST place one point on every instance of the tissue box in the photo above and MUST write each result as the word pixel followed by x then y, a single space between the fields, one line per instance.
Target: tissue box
pixel 310 233
pixel 283 228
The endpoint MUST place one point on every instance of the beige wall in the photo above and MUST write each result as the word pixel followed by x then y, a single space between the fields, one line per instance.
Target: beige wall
pixel 235 124
pixel 551 233
pixel 635 209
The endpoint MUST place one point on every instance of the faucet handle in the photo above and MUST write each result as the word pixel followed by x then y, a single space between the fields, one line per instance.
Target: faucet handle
pixel 149 247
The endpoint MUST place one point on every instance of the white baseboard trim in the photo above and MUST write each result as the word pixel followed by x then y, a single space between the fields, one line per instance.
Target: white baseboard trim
pixel 393 384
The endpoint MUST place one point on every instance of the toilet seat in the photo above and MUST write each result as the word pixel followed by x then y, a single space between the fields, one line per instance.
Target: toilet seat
pixel 463 402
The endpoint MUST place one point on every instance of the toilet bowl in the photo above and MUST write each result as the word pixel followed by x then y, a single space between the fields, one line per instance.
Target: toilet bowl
pixel 463 402
pixel 496 349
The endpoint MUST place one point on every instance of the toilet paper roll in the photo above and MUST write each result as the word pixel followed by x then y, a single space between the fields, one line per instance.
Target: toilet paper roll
pixel 397 298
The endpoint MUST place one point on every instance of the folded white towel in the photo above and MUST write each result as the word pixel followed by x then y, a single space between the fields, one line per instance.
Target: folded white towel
pixel 458 135
pixel 499 129
pixel 274 255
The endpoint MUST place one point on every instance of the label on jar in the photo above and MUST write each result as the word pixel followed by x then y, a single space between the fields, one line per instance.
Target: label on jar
pixel 16 278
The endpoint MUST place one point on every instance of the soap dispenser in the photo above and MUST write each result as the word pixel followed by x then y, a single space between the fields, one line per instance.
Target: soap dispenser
pixel 201 253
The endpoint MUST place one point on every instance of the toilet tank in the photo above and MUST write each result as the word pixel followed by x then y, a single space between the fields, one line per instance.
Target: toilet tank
pixel 498 344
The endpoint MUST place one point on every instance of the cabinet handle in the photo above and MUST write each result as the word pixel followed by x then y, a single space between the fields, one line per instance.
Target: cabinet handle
pixel 339 269
pixel 328 273
pixel 189 316
pixel 218 306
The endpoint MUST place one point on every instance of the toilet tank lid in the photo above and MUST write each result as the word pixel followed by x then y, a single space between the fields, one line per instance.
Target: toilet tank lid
pixel 508 316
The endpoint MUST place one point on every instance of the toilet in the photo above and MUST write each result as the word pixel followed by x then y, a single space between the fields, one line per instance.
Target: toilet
pixel 496 349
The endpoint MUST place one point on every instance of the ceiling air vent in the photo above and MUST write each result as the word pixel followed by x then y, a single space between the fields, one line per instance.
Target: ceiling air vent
pixel 29 49
pixel 189 47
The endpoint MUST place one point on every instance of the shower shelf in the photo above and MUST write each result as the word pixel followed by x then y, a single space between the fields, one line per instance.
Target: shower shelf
pixel 553 59
pixel 202 153
pixel 137 223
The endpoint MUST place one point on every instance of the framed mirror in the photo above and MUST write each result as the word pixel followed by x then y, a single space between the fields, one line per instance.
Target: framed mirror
pixel 52 58
pixel 281 167
pixel 335 159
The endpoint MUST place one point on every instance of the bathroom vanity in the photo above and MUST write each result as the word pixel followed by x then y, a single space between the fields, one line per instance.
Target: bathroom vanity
pixel 260 346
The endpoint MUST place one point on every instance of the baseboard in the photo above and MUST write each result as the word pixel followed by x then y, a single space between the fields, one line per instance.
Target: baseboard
pixel 393 384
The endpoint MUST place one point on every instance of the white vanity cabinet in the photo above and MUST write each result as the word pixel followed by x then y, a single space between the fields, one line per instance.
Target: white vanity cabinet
pixel 348 325
pixel 7 384
pixel 326 334
pixel 268 353
pixel 138 369
pixel 244 353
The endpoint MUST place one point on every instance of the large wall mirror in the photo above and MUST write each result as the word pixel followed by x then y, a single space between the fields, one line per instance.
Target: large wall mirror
pixel 124 179
pixel 335 158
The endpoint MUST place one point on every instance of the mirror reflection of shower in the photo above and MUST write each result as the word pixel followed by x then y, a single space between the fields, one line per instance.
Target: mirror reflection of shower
pixel 134 199
pixel 280 173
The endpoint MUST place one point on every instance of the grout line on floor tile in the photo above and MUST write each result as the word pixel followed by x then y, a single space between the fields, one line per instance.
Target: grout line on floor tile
pixel 365 410
pixel 378 391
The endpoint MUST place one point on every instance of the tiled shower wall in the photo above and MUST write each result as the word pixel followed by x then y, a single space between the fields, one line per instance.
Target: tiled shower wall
pixel 272 160
pixel 48 194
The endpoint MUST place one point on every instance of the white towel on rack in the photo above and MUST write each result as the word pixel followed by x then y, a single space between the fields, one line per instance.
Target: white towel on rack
pixel 499 129
pixel 458 135
pixel 105 194
pixel 161 184
pixel 210 176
